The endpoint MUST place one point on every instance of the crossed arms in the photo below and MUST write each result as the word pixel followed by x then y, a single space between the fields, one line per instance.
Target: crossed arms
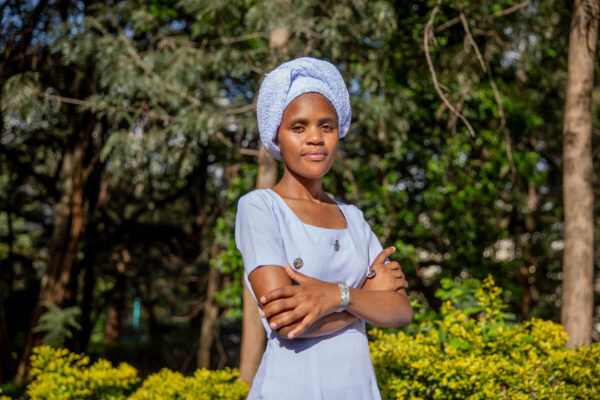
pixel 308 309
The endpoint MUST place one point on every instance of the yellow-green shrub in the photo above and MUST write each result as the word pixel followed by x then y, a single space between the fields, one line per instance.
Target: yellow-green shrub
pixel 61 375
pixel 456 356
pixel 462 357
pixel 203 385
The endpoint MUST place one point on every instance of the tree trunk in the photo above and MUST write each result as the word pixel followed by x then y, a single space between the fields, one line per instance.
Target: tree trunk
pixel 67 230
pixel 578 262
pixel 89 283
pixel 97 201
pixel 253 333
pixel 210 319
pixel 6 361
pixel 116 311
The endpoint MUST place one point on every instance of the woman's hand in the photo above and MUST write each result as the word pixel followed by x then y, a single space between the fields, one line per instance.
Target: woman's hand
pixel 388 276
pixel 300 305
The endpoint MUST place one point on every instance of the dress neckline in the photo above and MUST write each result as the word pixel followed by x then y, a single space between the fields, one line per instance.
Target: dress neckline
pixel 339 204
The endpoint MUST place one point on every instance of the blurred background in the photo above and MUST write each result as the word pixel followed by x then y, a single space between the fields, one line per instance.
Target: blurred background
pixel 129 132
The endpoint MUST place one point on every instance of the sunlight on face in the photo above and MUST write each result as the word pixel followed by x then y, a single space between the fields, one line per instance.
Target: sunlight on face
pixel 308 135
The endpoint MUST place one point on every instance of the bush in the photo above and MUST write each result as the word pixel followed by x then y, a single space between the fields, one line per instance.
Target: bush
pixel 61 375
pixel 468 351
pixel 479 356
pixel 203 385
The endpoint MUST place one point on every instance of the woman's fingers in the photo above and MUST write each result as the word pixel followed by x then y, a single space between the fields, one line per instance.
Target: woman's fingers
pixel 284 291
pixel 297 276
pixel 392 265
pixel 302 326
pixel 384 255
pixel 277 306
pixel 397 273
pixel 284 319
pixel 401 284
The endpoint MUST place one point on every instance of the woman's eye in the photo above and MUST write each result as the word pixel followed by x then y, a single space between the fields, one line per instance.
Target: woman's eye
pixel 297 128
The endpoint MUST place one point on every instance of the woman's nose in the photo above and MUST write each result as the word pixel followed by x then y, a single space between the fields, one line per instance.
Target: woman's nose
pixel 315 136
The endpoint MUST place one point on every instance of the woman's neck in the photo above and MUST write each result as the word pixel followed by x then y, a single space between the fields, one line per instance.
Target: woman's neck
pixel 296 186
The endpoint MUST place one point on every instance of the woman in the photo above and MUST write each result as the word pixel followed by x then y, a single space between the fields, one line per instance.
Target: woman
pixel 316 267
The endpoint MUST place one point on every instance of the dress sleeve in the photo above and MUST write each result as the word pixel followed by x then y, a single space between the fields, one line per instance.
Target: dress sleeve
pixel 373 244
pixel 257 234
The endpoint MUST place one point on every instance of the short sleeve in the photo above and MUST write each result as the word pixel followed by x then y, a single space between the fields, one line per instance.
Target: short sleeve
pixel 373 244
pixel 257 234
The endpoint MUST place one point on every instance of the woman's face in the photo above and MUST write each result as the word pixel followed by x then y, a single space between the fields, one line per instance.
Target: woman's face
pixel 308 135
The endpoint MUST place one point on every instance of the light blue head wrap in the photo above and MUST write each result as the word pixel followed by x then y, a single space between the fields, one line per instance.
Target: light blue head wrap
pixel 292 79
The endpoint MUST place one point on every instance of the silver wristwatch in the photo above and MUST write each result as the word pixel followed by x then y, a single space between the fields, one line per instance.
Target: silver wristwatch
pixel 344 296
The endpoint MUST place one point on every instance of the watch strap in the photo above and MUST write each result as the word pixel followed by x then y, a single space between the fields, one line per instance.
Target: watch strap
pixel 344 296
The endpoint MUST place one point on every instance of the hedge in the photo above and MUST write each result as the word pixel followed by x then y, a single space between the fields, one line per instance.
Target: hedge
pixel 61 375
pixel 477 355
pixel 470 353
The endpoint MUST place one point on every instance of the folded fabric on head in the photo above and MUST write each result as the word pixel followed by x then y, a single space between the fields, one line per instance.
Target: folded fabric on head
pixel 292 79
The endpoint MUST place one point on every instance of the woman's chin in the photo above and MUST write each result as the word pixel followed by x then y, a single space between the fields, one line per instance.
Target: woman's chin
pixel 311 172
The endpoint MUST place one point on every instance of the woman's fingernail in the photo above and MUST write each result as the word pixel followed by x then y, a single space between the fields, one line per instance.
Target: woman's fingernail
pixel 290 335
pixel 262 314
pixel 263 299
pixel 273 325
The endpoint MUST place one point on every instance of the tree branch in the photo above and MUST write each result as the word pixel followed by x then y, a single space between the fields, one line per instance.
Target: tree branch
pixel 510 10
pixel 427 37
pixel 85 103
pixel 177 91
pixel 485 66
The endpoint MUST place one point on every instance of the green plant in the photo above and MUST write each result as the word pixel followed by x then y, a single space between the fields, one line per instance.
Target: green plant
pixel 57 323
pixel 466 355
pixel 203 385
pixel 61 375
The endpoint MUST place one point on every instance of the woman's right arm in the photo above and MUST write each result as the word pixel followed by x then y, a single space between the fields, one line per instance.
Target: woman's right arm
pixel 258 238
pixel 267 278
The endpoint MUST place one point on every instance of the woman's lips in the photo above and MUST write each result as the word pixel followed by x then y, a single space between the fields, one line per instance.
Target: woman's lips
pixel 315 156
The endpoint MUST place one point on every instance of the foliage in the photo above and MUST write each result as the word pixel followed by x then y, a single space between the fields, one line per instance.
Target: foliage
pixel 57 323
pixel 62 375
pixel 203 385
pixel 461 355
pixel 230 262
pixel 480 356
pixel 154 102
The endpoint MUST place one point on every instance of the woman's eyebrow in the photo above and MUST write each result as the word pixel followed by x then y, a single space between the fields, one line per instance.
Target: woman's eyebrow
pixel 327 120
pixel 302 121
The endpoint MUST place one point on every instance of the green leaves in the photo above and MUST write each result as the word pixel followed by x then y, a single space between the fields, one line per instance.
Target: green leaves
pixel 57 324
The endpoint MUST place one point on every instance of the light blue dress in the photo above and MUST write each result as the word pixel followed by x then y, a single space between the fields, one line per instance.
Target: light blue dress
pixel 332 367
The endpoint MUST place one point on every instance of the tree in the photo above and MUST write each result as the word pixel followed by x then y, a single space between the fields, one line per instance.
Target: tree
pixel 578 257
pixel 253 333
pixel 168 90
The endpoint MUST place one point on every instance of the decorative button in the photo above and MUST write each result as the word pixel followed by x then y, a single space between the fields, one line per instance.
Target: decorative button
pixel 371 274
pixel 298 263
pixel 336 245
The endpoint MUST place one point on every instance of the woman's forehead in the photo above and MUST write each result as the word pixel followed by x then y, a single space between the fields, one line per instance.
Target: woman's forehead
pixel 310 103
